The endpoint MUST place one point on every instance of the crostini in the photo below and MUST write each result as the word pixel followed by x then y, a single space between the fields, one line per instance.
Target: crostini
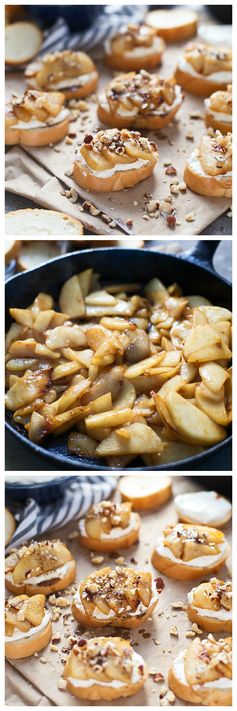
pixel 73 73
pixel 122 597
pixel 218 110
pixel 113 160
pixel 109 526
pixel 145 493
pixel 204 69
pixel 210 605
pixel 202 673
pixel 103 669
pixel 41 567
pixel 206 507
pixel 36 119
pixel 28 627
pixel 208 170
pixel 38 221
pixel 173 24
pixel 139 100
pixel 134 47
pixel 187 551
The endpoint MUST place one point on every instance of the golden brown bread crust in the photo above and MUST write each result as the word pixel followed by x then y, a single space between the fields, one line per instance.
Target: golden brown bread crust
pixel 98 692
pixel 126 622
pixel 47 589
pixel 147 122
pixel 26 647
pixel 149 501
pixel 222 126
pixel 209 624
pixel 215 524
pixel 174 34
pixel 206 697
pixel 200 86
pixel 180 571
pixel 209 185
pixel 37 136
pixel 84 177
pixel 108 545
pixel 82 91
pixel 144 61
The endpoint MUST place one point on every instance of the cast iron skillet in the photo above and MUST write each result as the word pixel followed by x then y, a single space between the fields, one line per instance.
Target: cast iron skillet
pixel 194 273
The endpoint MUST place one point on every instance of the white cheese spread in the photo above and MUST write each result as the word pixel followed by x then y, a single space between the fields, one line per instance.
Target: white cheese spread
pixel 218 77
pixel 35 123
pixel 217 115
pixel 196 166
pixel 115 169
pixel 205 507
pixel 59 572
pixel 215 614
pixel 136 676
pixel 98 615
pixel 200 562
pixel 116 531
pixel 179 671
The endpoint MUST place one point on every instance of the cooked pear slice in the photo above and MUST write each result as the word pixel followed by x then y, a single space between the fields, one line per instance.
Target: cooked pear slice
pixel 136 151
pixel 102 605
pixel 75 667
pixel 202 597
pixel 144 589
pixel 39 558
pixel 197 668
pixel 215 409
pixel 114 671
pixel 71 299
pixel 192 550
pixel 35 609
pixel 136 438
pixel 191 423
pixel 96 161
pixel 213 376
pixel 115 158
pixel 9 629
pixel 94 528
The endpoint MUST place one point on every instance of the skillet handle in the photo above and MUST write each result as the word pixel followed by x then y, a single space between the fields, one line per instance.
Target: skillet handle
pixel 203 253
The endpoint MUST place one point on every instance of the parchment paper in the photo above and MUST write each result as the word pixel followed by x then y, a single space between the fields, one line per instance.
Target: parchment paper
pixel 30 682
pixel 172 144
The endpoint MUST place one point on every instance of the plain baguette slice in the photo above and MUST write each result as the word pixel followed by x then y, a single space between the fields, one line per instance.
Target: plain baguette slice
pixel 41 222
pixel 23 41
pixel 173 24
pixel 145 492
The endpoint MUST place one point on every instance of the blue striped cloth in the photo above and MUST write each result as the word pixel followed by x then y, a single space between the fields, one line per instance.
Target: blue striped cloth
pixel 34 518
pixel 109 21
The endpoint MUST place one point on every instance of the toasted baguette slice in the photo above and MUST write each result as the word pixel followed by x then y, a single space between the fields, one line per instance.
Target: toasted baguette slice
pixel 23 41
pixel 10 526
pixel 12 248
pixel 41 222
pixel 174 25
pixel 145 492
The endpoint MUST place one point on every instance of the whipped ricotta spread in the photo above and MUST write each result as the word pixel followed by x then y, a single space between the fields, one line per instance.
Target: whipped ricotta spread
pixel 98 615
pixel 179 671
pixel 205 507
pixel 218 77
pixel 196 166
pixel 19 634
pixel 215 614
pixel 115 169
pixel 116 531
pixel 226 118
pixel 115 683
pixel 59 572
pixel 35 123
pixel 134 113
pixel 65 83
pixel 200 562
